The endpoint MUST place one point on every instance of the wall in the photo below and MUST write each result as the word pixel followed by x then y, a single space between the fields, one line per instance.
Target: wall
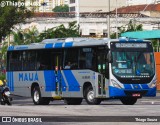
pixel 157 57
pixel 95 5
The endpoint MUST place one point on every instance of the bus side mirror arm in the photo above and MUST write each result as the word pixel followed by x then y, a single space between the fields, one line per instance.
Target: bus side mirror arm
pixel 109 57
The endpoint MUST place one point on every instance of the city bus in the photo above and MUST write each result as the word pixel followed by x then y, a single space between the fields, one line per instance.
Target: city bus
pixel 98 69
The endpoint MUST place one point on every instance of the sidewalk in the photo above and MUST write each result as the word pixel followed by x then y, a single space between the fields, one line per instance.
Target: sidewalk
pixel 158 93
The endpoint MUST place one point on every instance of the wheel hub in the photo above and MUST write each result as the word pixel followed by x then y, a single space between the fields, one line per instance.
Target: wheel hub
pixel 90 96
pixel 36 96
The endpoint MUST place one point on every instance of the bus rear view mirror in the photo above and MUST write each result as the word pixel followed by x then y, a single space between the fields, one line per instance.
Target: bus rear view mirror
pixel 109 57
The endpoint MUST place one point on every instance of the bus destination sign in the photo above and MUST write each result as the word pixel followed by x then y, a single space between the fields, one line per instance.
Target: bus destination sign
pixel 131 45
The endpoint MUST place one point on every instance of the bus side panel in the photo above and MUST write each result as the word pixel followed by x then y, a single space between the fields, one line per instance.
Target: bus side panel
pixel 49 77
pixel 20 82
pixel 16 86
pixel 74 80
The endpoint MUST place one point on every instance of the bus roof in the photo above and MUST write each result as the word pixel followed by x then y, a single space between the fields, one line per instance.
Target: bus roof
pixel 68 43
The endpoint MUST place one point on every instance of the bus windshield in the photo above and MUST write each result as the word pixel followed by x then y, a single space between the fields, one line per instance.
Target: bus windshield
pixel 133 65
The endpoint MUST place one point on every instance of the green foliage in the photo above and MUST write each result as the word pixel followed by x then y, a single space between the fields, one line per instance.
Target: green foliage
pixel 10 16
pixel 3 77
pixel 155 42
pixel 27 36
pixel 31 35
pixel 131 26
pixel 61 32
pixel 61 8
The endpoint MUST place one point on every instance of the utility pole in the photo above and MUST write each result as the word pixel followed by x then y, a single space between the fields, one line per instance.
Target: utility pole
pixel 77 13
pixel 108 19
pixel 116 22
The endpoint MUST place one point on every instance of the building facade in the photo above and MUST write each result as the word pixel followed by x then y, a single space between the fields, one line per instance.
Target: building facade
pixel 84 5
pixel 95 5
pixel 44 5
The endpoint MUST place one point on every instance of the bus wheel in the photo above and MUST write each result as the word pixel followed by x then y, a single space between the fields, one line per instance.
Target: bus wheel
pixel 37 99
pixel 89 96
pixel 73 101
pixel 128 101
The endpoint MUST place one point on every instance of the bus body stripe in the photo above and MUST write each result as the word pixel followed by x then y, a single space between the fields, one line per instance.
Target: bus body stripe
pixel 136 86
pixel 10 48
pixel 63 84
pixel 72 82
pixel 145 86
pixel 49 45
pixel 49 80
pixel 68 44
pixel 10 81
pixel 128 86
pixel 10 75
pixel 58 45
pixel 61 81
pixel 12 86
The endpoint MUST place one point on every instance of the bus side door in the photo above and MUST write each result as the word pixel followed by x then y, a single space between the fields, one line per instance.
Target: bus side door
pixel 57 64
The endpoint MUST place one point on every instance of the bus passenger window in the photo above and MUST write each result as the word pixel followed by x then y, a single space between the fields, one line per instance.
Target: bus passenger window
pixel 86 58
pixel 71 55
pixel 44 60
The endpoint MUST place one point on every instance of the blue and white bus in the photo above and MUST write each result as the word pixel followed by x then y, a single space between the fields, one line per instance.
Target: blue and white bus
pixel 99 69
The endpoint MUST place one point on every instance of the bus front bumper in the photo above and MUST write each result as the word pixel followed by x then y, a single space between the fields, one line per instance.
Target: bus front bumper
pixel 116 92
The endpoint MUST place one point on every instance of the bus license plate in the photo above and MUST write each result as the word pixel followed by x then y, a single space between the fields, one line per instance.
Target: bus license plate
pixel 136 94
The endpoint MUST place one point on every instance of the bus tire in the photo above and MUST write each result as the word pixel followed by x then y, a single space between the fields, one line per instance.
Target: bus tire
pixel 89 97
pixel 128 100
pixel 37 99
pixel 73 101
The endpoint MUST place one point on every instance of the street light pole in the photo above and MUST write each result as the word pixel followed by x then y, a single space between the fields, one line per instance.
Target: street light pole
pixel 108 22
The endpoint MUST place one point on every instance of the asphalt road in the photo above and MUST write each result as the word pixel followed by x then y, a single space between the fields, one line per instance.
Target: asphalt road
pixel 59 113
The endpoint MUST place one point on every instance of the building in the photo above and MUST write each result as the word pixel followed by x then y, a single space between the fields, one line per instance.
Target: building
pixel 84 5
pixel 150 10
pixel 44 5
pixel 95 23
pixel 139 2
pixel 95 5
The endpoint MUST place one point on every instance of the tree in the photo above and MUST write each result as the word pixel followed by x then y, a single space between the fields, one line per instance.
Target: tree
pixel 26 36
pixel 10 16
pixel 32 35
pixel 61 32
pixel 61 8
pixel 131 26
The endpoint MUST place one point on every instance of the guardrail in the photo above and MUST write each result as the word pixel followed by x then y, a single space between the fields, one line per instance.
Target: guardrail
pixel 87 14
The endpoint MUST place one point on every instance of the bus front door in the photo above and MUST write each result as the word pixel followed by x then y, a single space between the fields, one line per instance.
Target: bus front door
pixel 101 67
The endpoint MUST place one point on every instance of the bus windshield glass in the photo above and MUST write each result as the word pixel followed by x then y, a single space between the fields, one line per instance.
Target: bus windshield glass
pixel 136 64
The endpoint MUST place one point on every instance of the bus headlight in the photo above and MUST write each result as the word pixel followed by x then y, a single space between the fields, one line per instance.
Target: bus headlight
pixel 115 84
pixel 152 85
